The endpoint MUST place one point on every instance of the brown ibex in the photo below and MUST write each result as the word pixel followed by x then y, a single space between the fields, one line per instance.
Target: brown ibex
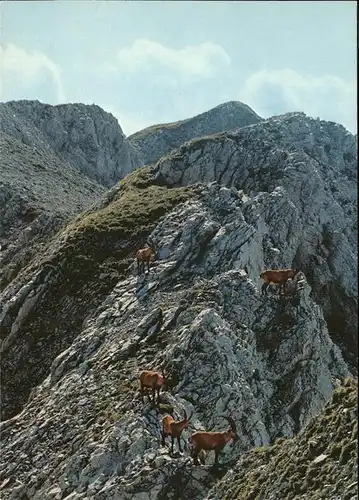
pixel 173 428
pixel 276 277
pixel 212 440
pixel 154 381
pixel 145 255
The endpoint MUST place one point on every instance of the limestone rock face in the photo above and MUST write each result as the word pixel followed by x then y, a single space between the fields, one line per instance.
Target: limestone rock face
pixel 159 140
pixel 268 363
pixel 86 136
pixel 279 193
pixel 39 193
pixel 302 172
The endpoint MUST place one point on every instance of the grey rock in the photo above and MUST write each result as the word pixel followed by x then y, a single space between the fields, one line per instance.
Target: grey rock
pixel 224 333
pixel 297 176
pixel 159 140
pixel 85 136
pixel 265 198
pixel 39 194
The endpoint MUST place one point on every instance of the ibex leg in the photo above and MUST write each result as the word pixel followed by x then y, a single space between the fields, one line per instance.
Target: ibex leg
pixel 179 444
pixel 141 389
pixel 195 457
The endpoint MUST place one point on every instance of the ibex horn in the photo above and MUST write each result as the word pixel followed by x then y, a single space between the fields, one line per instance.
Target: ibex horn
pixel 231 423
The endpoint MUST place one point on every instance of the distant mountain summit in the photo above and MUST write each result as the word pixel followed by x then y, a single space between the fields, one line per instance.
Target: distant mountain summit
pixel 85 136
pixel 158 140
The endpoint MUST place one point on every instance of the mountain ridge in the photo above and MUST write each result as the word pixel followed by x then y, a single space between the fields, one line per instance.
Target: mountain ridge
pixel 86 136
pixel 158 140
pixel 78 324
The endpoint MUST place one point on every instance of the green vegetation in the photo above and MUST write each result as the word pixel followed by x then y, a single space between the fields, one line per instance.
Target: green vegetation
pixel 89 256
pixel 116 230
pixel 154 128
pixel 318 463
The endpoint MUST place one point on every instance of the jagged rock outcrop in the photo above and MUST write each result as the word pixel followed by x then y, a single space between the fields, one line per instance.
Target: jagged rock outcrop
pixel 159 140
pixel 229 350
pixel 86 136
pixel 76 270
pixel 306 170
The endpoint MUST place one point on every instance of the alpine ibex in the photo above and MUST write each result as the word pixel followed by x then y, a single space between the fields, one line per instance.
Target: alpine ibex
pixel 145 255
pixel 276 277
pixel 154 381
pixel 173 428
pixel 212 440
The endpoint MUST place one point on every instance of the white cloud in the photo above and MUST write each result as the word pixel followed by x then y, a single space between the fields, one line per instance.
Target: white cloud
pixel 29 67
pixel 328 97
pixel 193 62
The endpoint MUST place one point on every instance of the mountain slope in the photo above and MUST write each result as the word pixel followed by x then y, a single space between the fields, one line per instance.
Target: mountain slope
pixel 85 136
pixel 73 274
pixel 158 140
pixel 311 167
pixel 321 462
pixel 228 350
pixel 38 195
pixel 78 324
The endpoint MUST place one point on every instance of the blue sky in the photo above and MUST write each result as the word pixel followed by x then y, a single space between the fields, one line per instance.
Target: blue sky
pixel 152 62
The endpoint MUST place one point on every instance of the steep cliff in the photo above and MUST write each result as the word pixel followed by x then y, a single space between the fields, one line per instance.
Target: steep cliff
pixel 270 364
pixel 307 170
pixel 85 136
pixel 78 324
pixel 159 140
pixel 38 195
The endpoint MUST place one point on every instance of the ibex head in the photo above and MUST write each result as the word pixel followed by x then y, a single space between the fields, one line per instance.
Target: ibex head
pixel 233 429
pixel 152 245
pixel 187 419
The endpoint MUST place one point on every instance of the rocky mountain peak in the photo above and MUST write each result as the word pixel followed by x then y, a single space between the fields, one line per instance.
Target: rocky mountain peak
pixel 158 140
pixel 86 136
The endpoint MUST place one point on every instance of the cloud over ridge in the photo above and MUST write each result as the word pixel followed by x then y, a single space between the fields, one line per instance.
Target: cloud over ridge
pixel 29 66
pixel 192 62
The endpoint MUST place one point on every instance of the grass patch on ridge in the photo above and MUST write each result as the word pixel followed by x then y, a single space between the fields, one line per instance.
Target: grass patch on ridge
pixel 288 469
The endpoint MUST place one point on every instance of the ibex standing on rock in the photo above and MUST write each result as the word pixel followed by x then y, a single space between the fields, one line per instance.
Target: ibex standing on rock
pixel 276 277
pixel 145 255
pixel 212 440
pixel 173 428
pixel 154 381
